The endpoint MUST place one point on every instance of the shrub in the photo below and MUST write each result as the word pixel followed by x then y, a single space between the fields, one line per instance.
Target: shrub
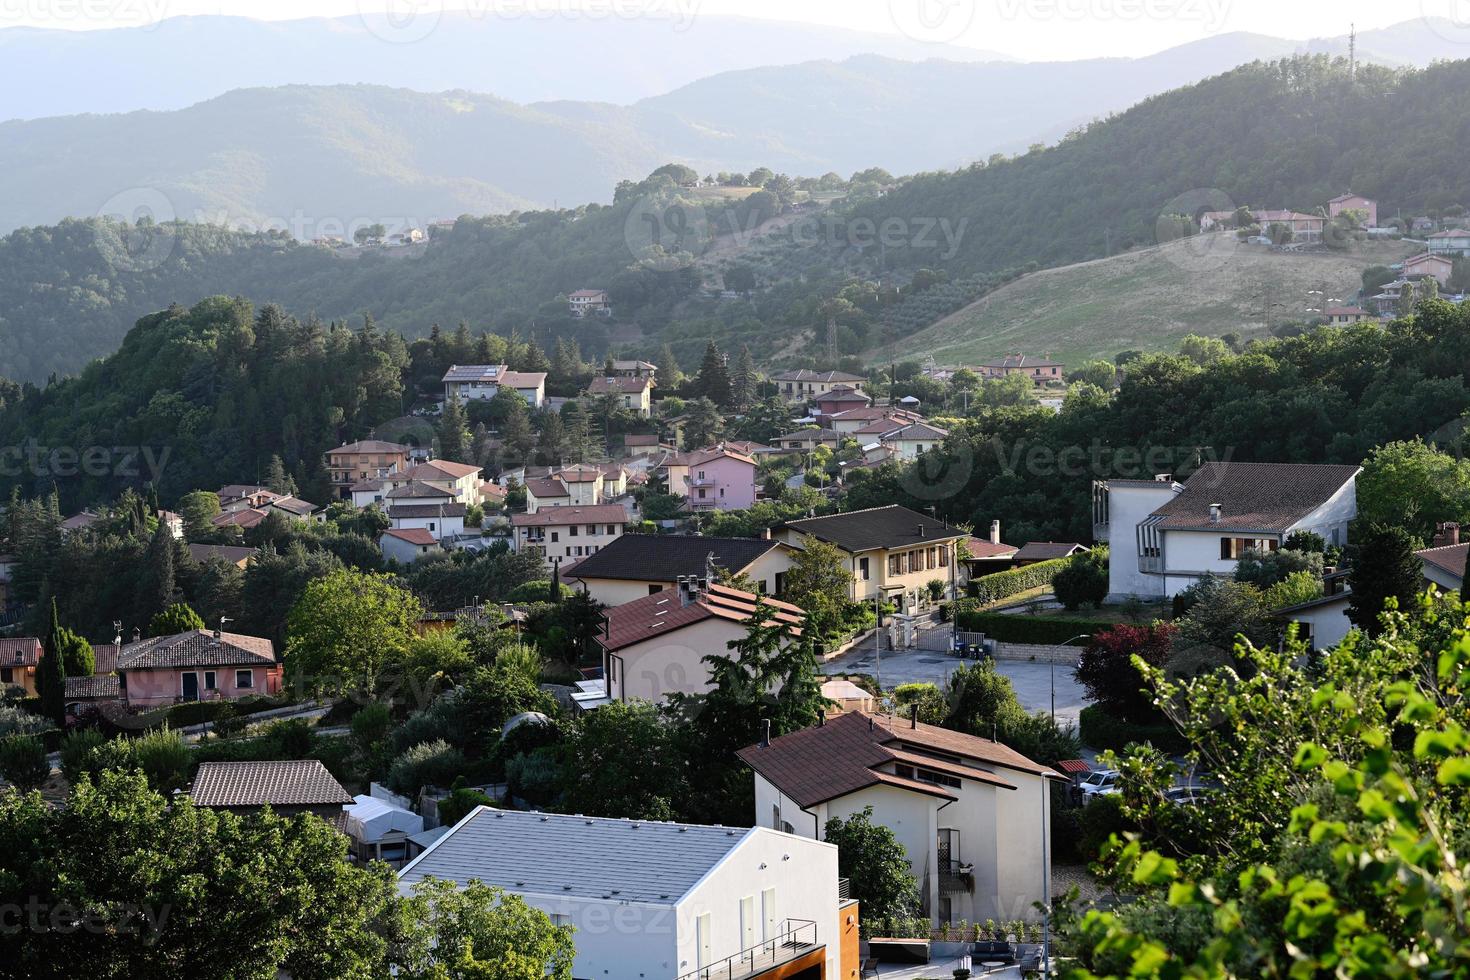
pixel 1096 822
pixel 294 738
pixel 76 748
pixel 434 763
pixel 1100 730
pixel 452 809
pixel 1106 669
pixel 1025 629
pixel 1084 579
pixel 1003 585
pixel 370 725
pixel 164 759
pixel 23 762
pixel 16 720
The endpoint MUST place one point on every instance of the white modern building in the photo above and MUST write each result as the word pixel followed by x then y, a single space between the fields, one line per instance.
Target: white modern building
pixel 1166 535
pixel 660 901
pixel 972 814
pixel 568 533
pixel 482 382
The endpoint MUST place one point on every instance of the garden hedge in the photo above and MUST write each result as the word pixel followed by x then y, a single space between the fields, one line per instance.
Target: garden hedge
pixel 1002 585
pixel 1026 629
pixel 1100 730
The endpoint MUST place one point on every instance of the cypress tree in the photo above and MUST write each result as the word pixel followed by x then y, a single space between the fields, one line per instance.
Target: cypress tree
pixel 51 676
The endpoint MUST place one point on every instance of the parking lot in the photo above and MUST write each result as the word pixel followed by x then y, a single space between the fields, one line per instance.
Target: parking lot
pixel 1033 682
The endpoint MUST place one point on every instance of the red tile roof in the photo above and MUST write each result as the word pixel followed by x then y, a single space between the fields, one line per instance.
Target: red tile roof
pixel 277 783
pixel 565 516
pixel 545 489
pixel 197 648
pixel 412 535
pixel 856 750
pixel 663 613
pixel 23 651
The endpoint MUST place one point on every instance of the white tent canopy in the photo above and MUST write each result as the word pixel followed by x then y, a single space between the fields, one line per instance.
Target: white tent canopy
pixel 371 820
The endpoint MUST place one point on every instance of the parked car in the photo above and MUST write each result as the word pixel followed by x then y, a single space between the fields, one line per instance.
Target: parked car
pixel 1100 782
pixel 1187 795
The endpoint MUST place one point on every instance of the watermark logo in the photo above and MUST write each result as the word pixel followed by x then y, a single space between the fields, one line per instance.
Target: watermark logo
pixel 938 476
pixel 401 21
pixel 933 21
pixel 1196 229
pixel 1450 19
pixel 145 14
pixel 99 462
pixel 665 232
pixel 65 919
pixel 1211 13
pixel 141 235
pixel 409 430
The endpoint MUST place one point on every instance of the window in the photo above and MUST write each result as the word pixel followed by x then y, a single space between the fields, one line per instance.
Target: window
pixel 944 557
pixel 701 494
pixel 591 529
pixel 1234 548
pixel 895 564
pixel 612 529
pixel 863 568
pixel 573 530
pixel 7 676
pixel 431 525
pixel 555 536
pixel 209 683
pixel 244 679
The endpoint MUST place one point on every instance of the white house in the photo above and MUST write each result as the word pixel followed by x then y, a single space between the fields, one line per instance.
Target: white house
pixel 440 518
pixel 1166 536
pixel 971 813
pixel 660 901
pixel 408 545
pixel 655 646
pixel 1444 559
pixel 568 533
pixel 482 382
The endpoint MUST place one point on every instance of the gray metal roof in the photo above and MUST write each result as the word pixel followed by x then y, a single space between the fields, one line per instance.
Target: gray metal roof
pixel 580 857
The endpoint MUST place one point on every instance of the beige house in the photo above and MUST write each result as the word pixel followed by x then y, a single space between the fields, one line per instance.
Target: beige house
pixel 461 480
pixel 568 533
pixel 798 387
pixel 655 646
pixel 633 394
pixel 364 460
pixel 637 565
pixel 892 552
pixel 972 814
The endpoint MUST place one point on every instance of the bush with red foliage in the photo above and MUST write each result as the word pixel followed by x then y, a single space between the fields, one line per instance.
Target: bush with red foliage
pixel 1106 669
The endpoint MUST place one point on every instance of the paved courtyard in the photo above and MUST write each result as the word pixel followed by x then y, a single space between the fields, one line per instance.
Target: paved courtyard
pixel 1032 681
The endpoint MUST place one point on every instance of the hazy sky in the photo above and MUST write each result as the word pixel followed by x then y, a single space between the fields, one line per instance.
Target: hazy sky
pixel 1029 29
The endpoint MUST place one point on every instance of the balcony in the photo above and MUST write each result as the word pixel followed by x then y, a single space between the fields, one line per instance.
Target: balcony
pixel 956 877
pixel 1151 564
pixel 797 938
pixel 701 481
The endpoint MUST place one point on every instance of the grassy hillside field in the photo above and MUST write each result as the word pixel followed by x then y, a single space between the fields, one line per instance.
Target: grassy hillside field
pixel 1145 300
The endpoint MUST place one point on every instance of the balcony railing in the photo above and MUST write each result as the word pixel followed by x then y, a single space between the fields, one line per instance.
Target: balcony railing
pixel 796 938
pixel 956 877
pixel 844 889
pixel 1151 563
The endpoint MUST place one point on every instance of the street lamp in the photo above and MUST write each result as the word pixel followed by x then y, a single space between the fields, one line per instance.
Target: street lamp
pixel 1046 831
pixel 1080 636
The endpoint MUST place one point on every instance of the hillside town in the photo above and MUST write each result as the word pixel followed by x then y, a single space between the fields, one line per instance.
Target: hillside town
pixel 796 496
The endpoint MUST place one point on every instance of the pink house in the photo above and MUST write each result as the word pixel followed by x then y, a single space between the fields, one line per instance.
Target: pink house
pixel 720 479
pixel 199 665
pixel 1354 202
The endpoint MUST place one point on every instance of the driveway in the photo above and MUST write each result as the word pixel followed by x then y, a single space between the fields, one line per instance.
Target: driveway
pixel 1032 681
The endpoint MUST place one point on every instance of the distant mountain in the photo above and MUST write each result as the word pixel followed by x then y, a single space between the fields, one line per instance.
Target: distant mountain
pixel 313 158
pixel 184 60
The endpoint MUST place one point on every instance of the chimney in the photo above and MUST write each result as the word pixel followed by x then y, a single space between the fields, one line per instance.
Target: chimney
pixel 1446 535
pixel 765 733
pixel 137 634
pixel 995 532
pixel 1215 513
pixel 921 530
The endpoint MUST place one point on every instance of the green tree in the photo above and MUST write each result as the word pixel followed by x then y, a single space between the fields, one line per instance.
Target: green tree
pixel 51 674
pixel 1414 486
pixel 454 433
pixel 744 380
pixel 705 426
pixel 177 618
pixel 820 582
pixel 23 762
pixel 156 588
pixel 713 380
pixel 1328 849
pixel 77 655
pixel 875 864
pixel 1084 579
pixel 669 374
pixel 198 509
pixel 478 932
pixel 1382 566
pixel 350 625
pixel 278 480
pixel 296 906
pixel 619 763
